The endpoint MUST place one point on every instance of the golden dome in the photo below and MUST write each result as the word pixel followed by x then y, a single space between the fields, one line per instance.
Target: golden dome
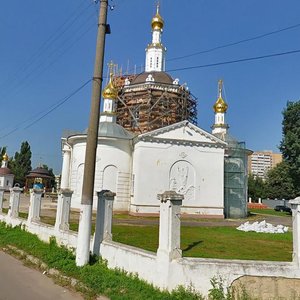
pixel 5 157
pixel 157 21
pixel 220 106
pixel 110 92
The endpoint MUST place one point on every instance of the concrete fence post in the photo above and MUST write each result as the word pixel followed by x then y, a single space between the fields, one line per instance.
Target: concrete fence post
pixel 250 200
pixel 63 209
pixel 35 205
pixel 169 225
pixel 103 219
pixel 2 190
pixel 14 202
pixel 295 205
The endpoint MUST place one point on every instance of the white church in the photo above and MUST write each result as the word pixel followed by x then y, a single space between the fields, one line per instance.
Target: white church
pixel 180 157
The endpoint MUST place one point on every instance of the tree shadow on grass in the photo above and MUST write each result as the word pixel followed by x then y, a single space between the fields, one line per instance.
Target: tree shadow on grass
pixel 191 246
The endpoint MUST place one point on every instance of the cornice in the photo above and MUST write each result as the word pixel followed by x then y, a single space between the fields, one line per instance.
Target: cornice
pixel 179 142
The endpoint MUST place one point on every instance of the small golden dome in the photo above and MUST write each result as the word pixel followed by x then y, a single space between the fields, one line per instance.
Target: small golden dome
pixel 157 21
pixel 110 92
pixel 5 157
pixel 220 106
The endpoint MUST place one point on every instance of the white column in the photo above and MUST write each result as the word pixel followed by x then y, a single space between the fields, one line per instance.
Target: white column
pixel 103 219
pixel 169 225
pixel 35 205
pixel 14 202
pixel 64 184
pixel 259 200
pixel 250 200
pixel 63 209
pixel 83 239
pixel 2 190
pixel 295 204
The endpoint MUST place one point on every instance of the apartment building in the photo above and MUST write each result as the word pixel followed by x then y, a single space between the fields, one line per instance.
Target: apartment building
pixel 260 162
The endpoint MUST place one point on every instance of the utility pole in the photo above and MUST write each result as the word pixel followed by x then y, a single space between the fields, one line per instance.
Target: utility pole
pixel 85 220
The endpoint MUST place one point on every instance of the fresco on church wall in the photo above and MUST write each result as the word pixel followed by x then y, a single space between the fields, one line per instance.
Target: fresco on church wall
pixel 182 180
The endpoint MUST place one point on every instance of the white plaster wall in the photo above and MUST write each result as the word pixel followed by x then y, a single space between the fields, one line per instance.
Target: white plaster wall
pixel 195 272
pixel 111 154
pixel 152 163
pixel 7 181
pixel 154 54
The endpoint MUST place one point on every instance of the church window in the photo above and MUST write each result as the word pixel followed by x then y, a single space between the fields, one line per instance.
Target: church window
pixel 150 62
pixel 157 62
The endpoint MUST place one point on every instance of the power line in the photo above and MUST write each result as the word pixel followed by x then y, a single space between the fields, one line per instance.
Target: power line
pixel 46 44
pixel 59 104
pixel 236 43
pixel 235 61
pixel 46 111
pixel 36 61
pixel 41 68
pixel 65 99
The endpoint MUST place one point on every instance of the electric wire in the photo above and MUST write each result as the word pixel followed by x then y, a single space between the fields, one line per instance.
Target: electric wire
pixel 40 69
pixel 235 61
pixel 54 107
pixel 46 111
pixel 45 52
pixel 59 104
pixel 47 43
pixel 235 43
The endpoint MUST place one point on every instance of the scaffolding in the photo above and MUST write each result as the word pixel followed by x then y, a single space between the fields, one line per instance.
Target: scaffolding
pixel 235 177
pixel 147 106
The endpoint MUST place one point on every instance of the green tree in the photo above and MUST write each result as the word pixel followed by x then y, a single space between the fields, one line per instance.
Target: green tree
pixel 279 183
pixel 256 187
pixel 290 144
pixel 21 164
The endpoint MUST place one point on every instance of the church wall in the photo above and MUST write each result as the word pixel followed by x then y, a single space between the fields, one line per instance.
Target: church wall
pixel 113 169
pixel 7 181
pixel 196 172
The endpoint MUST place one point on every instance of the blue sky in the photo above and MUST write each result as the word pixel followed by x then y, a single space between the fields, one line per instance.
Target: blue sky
pixel 47 51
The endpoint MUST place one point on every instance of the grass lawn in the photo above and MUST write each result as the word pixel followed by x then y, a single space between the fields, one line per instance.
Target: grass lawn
pixel 213 242
pixel 269 211
pixel 207 242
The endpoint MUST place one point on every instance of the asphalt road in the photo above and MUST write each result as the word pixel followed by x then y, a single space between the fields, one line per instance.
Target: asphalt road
pixel 20 282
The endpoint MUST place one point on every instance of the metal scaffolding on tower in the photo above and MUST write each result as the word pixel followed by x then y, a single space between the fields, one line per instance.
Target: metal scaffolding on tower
pixel 148 105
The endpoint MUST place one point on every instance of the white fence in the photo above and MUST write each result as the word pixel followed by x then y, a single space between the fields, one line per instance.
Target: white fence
pixel 166 268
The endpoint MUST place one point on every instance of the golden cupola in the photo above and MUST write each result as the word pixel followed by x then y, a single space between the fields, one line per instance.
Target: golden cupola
pixel 220 106
pixel 110 92
pixel 157 21
pixel 5 157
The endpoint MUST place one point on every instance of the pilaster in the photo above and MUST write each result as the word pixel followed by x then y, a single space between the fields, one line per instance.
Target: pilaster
pixel 14 202
pixel 104 219
pixel 295 204
pixel 63 209
pixel 169 225
pixel 35 205
pixel 2 190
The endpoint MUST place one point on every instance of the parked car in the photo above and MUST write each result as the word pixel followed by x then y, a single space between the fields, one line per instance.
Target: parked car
pixel 283 208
